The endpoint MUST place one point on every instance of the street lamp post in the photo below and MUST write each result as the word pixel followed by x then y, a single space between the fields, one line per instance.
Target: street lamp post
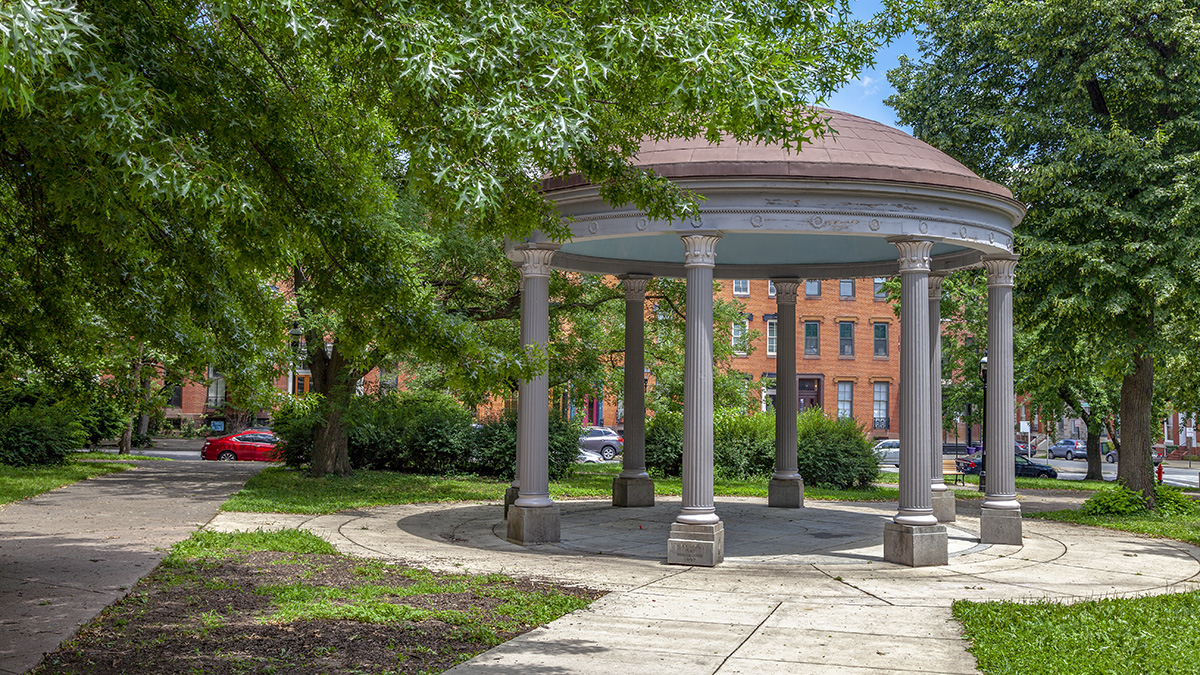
pixel 983 460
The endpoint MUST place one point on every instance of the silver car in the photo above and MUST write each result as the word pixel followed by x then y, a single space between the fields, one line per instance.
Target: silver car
pixel 888 451
pixel 602 441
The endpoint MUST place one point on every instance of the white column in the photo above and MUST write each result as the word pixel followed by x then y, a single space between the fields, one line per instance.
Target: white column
pixel 916 506
pixel 532 407
pixel 516 483
pixel 634 487
pixel 699 259
pixel 786 489
pixel 942 498
pixel 1001 491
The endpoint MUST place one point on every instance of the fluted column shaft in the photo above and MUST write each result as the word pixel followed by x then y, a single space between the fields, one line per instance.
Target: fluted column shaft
pixel 786 395
pixel 633 455
pixel 699 260
pixel 1001 490
pixel 520 428
pixel 916 504
pixel 533 464
pixel 937 480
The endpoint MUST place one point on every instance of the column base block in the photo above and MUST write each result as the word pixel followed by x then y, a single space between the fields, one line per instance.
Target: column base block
pixel 510 496
pixel 633 491
pixel 944 506
pixel 699 545
pixel 785 494
pixel 534 525
pixel 915 546
pixel 1000 526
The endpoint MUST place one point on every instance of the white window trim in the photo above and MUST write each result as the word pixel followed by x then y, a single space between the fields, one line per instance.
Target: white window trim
pixel 742 294
pixel 772 327
pixel 849 402
pixel 734 336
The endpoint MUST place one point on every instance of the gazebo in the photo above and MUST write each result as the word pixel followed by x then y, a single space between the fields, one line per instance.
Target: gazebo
pixel 867 200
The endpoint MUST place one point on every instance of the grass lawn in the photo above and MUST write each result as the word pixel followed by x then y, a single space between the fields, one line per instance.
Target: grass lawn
pixel 1148 636
pixel 111 456
pixel 1183 528
pixel 23 482
pixel 287 602
pixel 282 490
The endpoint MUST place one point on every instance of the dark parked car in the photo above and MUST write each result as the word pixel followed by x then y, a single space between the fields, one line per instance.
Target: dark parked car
pixel 1155 454
pixel 602 441
pixel 1069 448
pixel 250 445
pixel 1025 467
pixel 1019 449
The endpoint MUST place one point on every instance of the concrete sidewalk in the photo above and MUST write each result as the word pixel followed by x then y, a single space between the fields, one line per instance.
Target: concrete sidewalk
pixel 801 591
pixel 69 553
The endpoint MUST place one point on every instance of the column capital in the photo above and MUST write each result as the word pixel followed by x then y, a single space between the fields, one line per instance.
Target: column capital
pixel 536 260
pixel 1001 269
pixel 914 253
pixel 935 286
pixel 700 249
pixel 635 285
pixel 785 290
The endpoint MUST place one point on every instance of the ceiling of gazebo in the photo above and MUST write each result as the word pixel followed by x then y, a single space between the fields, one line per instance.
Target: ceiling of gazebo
pixel 826 211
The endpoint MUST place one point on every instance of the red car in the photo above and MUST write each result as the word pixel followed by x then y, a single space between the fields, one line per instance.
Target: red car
pixel 252 445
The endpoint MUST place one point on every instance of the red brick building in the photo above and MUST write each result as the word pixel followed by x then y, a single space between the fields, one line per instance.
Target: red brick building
pixel 847 347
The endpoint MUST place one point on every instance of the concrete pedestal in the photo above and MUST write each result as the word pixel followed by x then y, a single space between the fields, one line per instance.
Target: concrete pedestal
pixel 700 545
pixel 633 491
pixel 944 506
pixel 510 496
pixel 785 494
pixel 915 546
pixel 1000 526
pixel 534 525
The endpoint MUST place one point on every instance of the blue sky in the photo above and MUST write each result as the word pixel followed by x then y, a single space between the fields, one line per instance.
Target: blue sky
pixel 864 96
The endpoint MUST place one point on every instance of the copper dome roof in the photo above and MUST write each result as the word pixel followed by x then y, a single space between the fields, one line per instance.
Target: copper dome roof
pixel 858 149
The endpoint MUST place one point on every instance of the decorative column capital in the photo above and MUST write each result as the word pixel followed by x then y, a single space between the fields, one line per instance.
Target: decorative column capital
pixel 1001 269
pixel 914 253
pixel 785 290
pixel 700 250
pixel 635 285
pixel 935 286
pixel 536 261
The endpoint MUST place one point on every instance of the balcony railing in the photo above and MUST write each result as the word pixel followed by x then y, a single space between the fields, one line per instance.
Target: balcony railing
pixel 881 423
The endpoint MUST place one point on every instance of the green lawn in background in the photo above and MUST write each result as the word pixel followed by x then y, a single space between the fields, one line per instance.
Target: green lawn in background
pixel 113 456
pixel 282 490
pixel 1183 528
pixel 23 482
pixel 1148 636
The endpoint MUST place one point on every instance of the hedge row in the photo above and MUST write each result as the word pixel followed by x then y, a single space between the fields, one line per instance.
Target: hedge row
pixel 40 426
pixel 421 432
pixel 831 452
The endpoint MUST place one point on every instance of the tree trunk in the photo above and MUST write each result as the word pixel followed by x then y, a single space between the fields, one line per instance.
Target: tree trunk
pixel 1135 469
pixel 126 441
pixel 1095 461
pixel 334 380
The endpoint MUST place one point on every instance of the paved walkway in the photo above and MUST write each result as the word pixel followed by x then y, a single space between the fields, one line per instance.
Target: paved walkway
pixel 801 590
pixel 69 553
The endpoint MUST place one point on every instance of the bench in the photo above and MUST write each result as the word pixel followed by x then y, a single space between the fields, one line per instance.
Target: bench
pixel 951 473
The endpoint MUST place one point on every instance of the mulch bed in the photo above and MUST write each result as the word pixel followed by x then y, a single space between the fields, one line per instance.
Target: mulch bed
pixel 208 619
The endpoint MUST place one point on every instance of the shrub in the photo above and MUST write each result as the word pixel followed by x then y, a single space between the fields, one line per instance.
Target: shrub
pixel 294 423
pixel 102 420
pixel 743 445
pixel 834 453
pixel 425 432
pixel 664 444
pixel 1115 500
pixel 493 450
pixel 39 434
pixel 1173 501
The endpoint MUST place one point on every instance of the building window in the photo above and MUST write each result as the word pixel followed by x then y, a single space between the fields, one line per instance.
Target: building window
pixel 880 293
pixel 812 288
pixel 772 338
pixel 176 398
pixel 303 384
pixel 880 407
pixel 812 338
pixel 741 287
pixel 739 330
pixel 216 389
pixel 881 339
pixel 845 338
pixel 770 289
pixel 846 288
pixel 845 399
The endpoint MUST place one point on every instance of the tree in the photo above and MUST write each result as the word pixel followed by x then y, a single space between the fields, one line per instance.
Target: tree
pixel 1088 110
pixel 165 166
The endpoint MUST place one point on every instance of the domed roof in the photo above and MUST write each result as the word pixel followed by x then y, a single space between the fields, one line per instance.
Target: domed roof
pixel 857 149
